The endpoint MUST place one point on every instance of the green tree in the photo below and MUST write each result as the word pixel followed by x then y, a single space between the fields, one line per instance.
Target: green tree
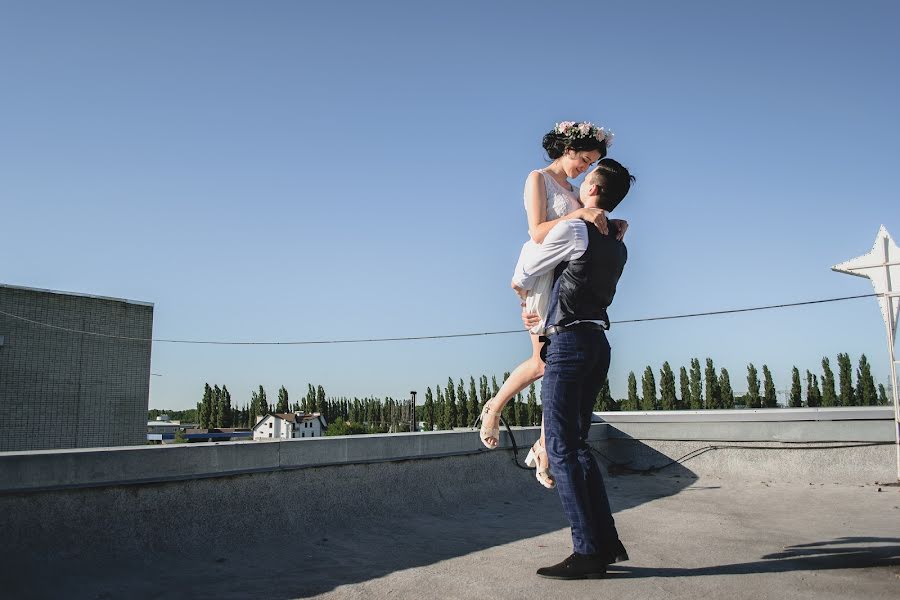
pixel 204 409
pixel 753 399
pixel 796 393
pixel 440 409
pixel 282 400
pixel 866 393
pixel 450 404
pixel 696 386
pixel 813 395
pixel 713 395
pixel 771 400
pixel 685 386
pixel 463 404
pixel 534 413
pixel 473 400
pixel 648 387
pixel 604 401
pixel 484 392
pixel 829 398
pixel 321 407
pixel 845 376
pixel 214 417
pixel 725 390
pixel 226 414
pixel 633 402
pixel 667 398
pixel 882 395
pixel 309 402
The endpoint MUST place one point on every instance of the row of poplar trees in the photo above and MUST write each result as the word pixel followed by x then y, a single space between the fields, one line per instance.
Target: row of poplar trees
pixel 458 404
pixel 720 394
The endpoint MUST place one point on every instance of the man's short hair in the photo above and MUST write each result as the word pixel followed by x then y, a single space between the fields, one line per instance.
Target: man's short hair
pixel 614 181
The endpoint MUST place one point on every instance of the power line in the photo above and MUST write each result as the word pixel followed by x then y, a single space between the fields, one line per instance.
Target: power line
pixel 420 337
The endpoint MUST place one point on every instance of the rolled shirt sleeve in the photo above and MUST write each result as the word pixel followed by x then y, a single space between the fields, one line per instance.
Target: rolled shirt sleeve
pixel 566 241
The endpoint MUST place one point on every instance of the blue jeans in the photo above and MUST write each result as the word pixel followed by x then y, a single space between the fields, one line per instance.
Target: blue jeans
pixel 577 362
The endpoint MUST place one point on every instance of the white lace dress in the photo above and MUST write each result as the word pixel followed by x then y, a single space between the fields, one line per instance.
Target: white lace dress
pixel 560 202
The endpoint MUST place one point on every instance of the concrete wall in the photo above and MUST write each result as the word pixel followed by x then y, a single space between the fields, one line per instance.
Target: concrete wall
pixel 60 389
pixel 150 501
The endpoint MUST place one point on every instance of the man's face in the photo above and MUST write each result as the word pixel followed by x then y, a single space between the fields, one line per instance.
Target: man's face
pixel 589 192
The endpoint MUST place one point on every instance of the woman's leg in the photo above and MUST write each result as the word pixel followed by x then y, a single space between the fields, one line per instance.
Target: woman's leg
pixel 521 377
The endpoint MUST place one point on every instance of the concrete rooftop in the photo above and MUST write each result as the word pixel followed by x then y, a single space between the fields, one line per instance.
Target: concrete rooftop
pixel 688 538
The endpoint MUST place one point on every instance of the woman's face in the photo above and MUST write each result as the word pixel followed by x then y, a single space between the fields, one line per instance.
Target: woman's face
pixel 576 162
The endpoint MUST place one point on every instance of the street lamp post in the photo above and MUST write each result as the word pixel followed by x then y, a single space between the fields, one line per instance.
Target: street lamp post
pixel 882 267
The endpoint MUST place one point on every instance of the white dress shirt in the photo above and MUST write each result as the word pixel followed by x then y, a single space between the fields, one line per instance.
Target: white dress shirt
pixel 566 241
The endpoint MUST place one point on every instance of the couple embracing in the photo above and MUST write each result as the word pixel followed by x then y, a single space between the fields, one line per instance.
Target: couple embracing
pixel 566 277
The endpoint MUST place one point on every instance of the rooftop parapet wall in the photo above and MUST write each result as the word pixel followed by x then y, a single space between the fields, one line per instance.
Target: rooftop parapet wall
pixel 625 436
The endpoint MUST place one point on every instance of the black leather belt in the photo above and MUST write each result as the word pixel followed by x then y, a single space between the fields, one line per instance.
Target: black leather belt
pixel 554 329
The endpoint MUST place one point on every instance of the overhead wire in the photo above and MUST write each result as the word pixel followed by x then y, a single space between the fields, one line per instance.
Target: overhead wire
pixel 418 337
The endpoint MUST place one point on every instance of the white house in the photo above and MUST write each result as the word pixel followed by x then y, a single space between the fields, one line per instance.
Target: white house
pixel 286 426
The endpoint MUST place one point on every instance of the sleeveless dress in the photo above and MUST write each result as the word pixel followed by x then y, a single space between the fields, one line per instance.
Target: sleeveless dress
pixel 560 202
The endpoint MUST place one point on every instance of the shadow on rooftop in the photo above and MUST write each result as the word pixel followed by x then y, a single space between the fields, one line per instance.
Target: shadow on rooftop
pixel 286 534
pixel 818 556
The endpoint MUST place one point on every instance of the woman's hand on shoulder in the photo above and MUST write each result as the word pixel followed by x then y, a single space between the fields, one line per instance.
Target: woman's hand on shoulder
pixel 597 216
pixel 621 228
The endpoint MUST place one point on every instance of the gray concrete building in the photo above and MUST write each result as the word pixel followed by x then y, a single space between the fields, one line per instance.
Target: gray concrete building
pixel 67 379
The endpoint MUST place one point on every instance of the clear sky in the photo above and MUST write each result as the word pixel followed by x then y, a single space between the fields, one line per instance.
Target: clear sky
pixel 325 170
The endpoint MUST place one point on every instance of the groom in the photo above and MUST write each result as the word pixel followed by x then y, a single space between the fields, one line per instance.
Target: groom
pixel 587 267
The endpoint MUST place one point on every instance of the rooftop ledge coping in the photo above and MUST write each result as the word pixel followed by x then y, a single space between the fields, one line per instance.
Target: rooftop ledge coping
pixel 31 471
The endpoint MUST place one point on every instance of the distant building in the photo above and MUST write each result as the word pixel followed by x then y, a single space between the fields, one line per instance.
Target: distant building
pixel 68 379
pixel 287 426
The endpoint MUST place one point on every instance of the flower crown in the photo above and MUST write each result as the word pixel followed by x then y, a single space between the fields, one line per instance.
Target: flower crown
pixel 575 130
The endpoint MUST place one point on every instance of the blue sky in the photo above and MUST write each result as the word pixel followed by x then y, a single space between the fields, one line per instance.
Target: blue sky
pixel 306 171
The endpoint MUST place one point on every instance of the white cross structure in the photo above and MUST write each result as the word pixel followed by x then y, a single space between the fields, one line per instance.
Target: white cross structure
pixel 882 267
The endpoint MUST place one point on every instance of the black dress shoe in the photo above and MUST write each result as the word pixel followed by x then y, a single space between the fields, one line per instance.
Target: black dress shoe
pixel 577 566
pixel 617 553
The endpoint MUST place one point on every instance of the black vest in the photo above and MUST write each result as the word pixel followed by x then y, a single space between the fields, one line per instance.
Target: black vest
pixel 583 288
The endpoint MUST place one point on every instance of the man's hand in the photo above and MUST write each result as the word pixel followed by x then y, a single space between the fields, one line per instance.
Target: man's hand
pixel 621 226
pixel 597 216
pixel 529 319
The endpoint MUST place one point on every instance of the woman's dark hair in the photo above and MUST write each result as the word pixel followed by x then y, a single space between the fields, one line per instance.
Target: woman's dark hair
pixel 556 144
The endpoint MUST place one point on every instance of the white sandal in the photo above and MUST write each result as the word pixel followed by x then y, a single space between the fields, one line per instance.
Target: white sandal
pixel 542 474
pixel 489 433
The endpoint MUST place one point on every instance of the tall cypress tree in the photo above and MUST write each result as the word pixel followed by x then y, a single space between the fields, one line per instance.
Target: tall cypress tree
pixel 205 408
pixel 227 410
pixel 696 389
pixel 534 413
pixel 796 393
pixel 214 418
pixel 604 401
pixel 462 405
pixel 648 387
pixel 450 399
pixel 440 410
pixel 484 392
pixel 633 401
pixel 866 393
pixel 845 370
pixel 753 399
pixel 685 386
pixel 667 399
pixel 713 395
pixel 812 390
pixel 473 400
pixel 882 395
pixel 282 400
pixel 725 390
pixel 321 407
pixel 771 400
pixel 829 398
